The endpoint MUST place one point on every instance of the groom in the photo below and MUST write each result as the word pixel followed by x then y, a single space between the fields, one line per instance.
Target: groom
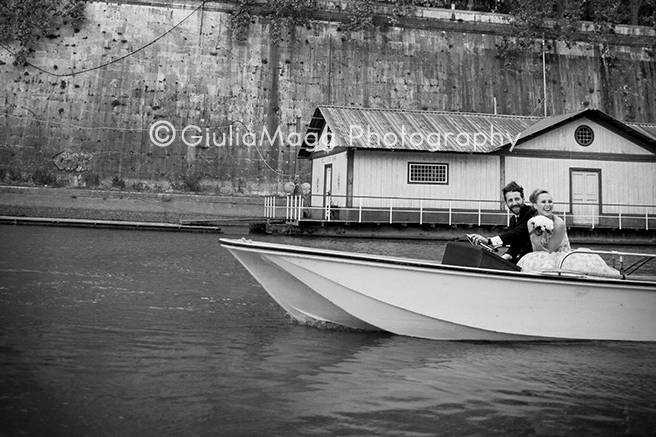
pixel 517 234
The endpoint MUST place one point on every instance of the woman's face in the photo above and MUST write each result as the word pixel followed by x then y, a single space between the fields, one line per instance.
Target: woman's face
pixel 544 204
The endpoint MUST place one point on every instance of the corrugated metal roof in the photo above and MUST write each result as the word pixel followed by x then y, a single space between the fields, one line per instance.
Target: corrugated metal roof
pixel 645 129
pixel 399 129
pixel 444 131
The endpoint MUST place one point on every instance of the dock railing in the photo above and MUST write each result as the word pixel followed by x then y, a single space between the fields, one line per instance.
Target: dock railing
pixel 423 211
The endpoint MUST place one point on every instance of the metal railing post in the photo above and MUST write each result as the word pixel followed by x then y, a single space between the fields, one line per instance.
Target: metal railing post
pixel 293 208
pixel 421 212
pixel 390 214
pixel 592 216
pixel 287 207
pixel 295 211
pixel 619 218
pixel 273 213
pixel 646 219
pixel 450 213
pixel 360 212
pixel 479 214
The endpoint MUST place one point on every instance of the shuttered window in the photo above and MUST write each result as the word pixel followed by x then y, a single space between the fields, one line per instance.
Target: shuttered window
pixel 423 173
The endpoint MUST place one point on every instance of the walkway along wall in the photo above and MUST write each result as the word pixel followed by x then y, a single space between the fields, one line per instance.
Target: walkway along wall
pixel 94 126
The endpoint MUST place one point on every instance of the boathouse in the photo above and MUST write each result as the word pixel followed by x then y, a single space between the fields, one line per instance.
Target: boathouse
pixel 600 170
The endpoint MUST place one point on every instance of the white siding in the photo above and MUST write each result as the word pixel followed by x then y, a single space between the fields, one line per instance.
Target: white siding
pixel 562 139
pixel 338 162
pixel 621 182
pixel 474 178
pixel 385 174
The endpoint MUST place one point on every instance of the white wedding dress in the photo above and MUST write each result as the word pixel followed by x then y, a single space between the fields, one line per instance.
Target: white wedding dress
pixel 583 263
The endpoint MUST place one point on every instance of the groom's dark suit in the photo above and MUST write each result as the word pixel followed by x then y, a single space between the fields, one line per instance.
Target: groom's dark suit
pixel 517 234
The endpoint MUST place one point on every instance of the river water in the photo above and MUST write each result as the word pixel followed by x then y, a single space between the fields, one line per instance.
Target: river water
pixel 110 332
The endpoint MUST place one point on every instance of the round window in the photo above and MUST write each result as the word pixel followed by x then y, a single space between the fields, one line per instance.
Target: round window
pixel 584 135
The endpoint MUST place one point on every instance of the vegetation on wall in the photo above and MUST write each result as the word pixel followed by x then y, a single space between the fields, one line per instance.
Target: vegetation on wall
pixel 240 19
pixel 361 14
pixel 555 20
pixel 560 20
pixel 281 13
pixel 634 12
pixel 23 23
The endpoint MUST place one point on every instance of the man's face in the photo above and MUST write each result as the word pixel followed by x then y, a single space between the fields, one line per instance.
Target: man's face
pixel 514 200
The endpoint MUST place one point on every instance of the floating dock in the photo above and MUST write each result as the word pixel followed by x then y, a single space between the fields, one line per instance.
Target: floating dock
pixel 436 231
pixel 109 224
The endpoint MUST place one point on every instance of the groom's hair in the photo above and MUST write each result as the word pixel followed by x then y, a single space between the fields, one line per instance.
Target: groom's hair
pixel 512 186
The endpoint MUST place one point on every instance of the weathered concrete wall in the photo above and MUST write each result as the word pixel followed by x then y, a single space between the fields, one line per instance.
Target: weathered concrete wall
pixel 98 122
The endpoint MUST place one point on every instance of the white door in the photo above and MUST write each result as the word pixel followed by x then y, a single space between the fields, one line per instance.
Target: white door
pixel 585 197
pixel 327 183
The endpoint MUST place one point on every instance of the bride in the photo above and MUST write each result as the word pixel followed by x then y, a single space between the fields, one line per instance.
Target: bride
pixel 548 235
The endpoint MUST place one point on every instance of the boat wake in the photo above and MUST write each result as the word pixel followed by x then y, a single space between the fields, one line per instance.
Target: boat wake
pixel 324 325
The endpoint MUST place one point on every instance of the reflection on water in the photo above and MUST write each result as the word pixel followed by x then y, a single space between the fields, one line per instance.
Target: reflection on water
pixel 123 333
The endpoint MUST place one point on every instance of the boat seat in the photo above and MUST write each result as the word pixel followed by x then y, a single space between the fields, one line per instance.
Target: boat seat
pixel 468 255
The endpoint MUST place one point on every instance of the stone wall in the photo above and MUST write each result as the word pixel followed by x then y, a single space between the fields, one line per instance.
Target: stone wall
pixel 93 127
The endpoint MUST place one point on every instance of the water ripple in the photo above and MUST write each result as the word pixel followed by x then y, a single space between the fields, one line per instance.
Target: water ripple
pixel 166 334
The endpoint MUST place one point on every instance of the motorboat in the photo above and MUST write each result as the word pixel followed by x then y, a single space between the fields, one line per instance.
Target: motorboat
pixel 473 294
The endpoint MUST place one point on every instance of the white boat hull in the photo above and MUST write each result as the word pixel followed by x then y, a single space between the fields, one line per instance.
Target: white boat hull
pixel 430 300
pixel 297 299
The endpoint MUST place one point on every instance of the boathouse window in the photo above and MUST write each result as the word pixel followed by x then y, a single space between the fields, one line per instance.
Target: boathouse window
pixel 584 135
pixel 422 173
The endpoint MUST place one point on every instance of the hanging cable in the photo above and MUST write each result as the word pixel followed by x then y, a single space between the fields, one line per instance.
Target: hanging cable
pixel 97 67
pixel 260 153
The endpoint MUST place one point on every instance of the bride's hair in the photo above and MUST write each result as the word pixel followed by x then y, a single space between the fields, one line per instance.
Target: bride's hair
pixel 533 198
